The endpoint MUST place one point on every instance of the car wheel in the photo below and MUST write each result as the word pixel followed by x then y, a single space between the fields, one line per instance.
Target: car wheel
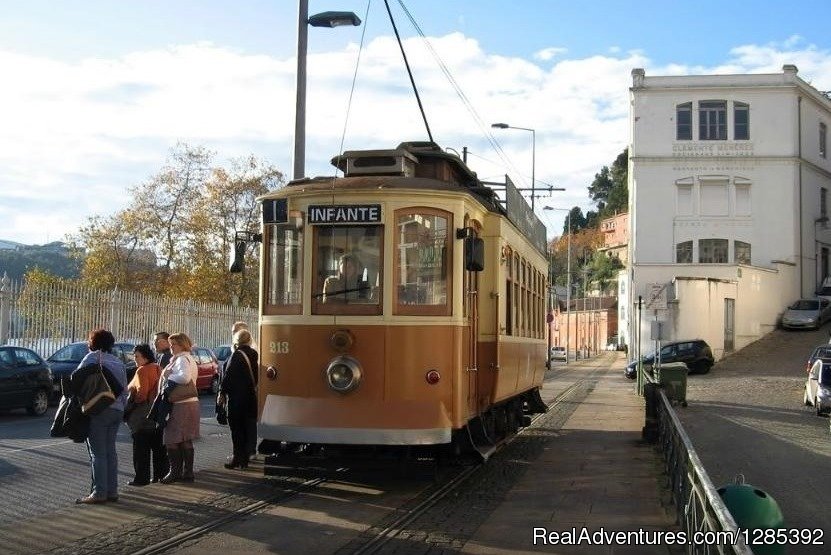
pixel 818 406
pixel 40 402
pixel 215 385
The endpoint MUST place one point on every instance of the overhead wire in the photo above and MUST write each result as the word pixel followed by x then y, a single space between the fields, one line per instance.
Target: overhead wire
pixel 483 127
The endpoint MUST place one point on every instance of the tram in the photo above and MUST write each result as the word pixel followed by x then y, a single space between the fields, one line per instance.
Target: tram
pixel 402 304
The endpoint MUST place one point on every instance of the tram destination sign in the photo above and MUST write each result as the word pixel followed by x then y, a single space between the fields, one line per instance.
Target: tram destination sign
pixel 344 214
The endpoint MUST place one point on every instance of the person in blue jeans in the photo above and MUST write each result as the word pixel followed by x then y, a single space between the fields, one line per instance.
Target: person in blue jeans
pixel 103 427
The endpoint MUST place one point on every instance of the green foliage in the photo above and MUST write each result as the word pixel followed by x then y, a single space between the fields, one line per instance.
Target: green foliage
pixel 609 190
pixel 603 270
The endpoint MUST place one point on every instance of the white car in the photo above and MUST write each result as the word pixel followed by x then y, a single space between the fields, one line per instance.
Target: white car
pixel 818 387
pixel 558 353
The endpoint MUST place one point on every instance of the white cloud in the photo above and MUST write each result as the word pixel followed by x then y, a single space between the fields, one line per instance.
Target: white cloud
pixel 75 136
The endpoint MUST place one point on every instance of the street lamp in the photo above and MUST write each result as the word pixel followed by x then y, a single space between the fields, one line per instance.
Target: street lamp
pixel 533 154
pixel 568 274
pixel 325 19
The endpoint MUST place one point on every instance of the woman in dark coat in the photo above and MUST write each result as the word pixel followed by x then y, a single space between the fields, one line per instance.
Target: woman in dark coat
pixel 239 395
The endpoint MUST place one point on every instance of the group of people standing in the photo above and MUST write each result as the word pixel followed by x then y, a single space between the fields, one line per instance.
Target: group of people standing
pixel 161 407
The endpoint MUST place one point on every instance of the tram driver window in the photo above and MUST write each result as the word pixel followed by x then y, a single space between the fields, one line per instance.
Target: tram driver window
pixel 347 269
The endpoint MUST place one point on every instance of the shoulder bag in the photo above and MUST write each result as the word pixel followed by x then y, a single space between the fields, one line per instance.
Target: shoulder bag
pixel 182 392
pixel 98 395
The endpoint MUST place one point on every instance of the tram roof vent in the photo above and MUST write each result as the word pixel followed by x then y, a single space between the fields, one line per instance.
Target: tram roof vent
pixel 396 162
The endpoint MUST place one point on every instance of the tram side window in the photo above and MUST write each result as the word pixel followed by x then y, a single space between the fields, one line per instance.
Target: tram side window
pixel 347 269
pixel 421 262
pixel 284 269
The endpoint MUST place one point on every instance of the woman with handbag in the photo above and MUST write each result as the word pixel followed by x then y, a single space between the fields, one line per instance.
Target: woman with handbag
pixel 238 394
pixel 103 426
pixel 183 423
pixel 147 438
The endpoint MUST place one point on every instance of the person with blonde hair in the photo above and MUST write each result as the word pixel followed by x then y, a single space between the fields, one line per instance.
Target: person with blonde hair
pixel 238 393
pixel 183 423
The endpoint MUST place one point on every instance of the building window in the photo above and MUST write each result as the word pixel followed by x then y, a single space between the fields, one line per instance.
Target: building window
pixel 823 132
pixel 685 200
pixel 712 251
pixel 741 121
pixel 743 200
pixel 712 120
pixel 741 254
pixel 714 198
pixel 683 252
pixel 683 122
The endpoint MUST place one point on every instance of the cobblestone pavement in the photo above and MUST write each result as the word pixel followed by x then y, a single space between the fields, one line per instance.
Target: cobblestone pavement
pixel 39 474
pixel 746 416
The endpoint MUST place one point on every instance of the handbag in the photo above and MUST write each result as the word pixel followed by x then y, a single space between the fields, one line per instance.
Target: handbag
pixel 182 392
pixel 58 428
pixel 221 414
pixel 138 420
pixel 98 395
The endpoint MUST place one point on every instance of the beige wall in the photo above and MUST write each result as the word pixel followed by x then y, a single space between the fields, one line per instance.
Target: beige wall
pixel 696 309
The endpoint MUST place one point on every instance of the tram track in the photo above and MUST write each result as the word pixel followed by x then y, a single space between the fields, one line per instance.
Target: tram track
pixel 371 541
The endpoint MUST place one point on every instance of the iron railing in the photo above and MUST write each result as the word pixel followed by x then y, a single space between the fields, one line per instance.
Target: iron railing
pixel 45 317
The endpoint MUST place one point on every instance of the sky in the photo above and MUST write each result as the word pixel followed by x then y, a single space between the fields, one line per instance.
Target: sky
pixel 96 93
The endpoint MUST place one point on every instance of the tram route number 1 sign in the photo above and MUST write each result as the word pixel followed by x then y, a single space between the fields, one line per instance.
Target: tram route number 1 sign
pixel 656 296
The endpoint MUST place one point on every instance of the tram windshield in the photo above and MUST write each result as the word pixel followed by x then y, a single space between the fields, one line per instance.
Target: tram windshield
pixel 347 269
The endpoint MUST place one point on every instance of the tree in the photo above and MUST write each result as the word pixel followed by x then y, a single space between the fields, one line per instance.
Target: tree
pixel 176 236
pixel 609 190
pixel 603 270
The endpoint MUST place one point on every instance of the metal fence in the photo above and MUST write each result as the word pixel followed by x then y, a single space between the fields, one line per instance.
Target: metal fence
pixel 47 317
pixel 699 507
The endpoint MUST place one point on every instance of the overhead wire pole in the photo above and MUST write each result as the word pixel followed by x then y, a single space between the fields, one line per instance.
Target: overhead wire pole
pixel 409 71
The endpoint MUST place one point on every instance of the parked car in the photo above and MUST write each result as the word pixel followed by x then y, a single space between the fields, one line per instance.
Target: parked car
pixel 25 380
pixel 558 352
pixel 67 358
pixel 824 292
pixel 222 353
pixel 820 351
pixel 695 353
pixel 807 314
pixel 208 365
pixel 818 387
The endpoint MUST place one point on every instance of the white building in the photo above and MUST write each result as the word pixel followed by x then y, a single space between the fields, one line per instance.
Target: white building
pixel 728 183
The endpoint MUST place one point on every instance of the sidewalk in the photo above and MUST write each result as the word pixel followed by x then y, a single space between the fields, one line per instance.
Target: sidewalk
pixel 597 473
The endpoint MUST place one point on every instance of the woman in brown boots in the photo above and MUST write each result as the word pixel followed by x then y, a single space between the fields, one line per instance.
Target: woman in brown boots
pixel 183 423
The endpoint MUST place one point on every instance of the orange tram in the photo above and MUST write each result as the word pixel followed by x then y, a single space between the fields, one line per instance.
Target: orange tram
pixel 402 304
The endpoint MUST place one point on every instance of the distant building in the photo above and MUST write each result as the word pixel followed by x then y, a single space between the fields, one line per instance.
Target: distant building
pixel 728 199
pixel 616 237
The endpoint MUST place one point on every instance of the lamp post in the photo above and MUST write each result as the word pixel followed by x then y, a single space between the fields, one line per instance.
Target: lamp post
pixel 568 275
pixel 325 19
pixel 533 153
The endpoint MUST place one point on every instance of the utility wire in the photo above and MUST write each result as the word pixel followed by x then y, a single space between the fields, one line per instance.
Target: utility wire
pixel 352 89
pixel 483 126
pixel 409 71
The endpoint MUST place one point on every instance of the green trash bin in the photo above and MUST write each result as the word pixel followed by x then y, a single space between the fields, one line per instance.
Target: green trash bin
pixel 673 378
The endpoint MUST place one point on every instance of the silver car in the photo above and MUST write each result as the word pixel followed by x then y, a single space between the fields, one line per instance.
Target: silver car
pixel 807 314
pixel 818 387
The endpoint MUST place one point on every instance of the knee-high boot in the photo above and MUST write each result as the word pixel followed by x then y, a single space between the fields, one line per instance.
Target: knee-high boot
pixel 187 474
pixel 175 456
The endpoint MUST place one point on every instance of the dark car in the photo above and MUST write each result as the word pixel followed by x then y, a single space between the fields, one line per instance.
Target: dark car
pixel 208 366
pixel 25 380
pixel 695 353
pixel 222 353
pixel 67 358
pixel 820 351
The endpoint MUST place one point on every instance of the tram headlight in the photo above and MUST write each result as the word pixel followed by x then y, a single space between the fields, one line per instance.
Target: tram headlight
pixel 343 374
